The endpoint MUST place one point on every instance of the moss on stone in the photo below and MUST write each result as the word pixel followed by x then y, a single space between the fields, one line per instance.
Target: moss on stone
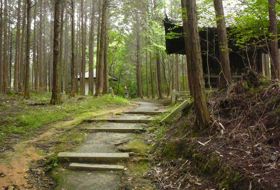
pixel 137 146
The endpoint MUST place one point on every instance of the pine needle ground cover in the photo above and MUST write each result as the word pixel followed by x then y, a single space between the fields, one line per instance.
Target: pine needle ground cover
pixel 240 150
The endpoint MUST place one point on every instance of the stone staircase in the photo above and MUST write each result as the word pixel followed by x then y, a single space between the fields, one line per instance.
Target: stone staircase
pixel 133 122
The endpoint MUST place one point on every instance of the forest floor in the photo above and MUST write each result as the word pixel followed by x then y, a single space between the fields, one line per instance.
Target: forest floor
pixel 33 131
pixel 240 150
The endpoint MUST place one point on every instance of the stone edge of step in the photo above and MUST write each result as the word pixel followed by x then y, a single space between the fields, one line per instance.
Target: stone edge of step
pixel 96 167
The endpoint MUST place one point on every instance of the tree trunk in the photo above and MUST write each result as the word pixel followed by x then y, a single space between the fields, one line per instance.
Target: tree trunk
pixel 5 50
pixel 56 99
pixel 138 58
pixel 22 48
pixel 17 58
pixel 177 74
pixel 39 82
pixel 102 44
pixel 91 50
pixel 158 63
pixel 105 74
pixel 35 76
pixel 83 46
pixel 147 72
pixel 73 78
pixel 27 50
pixel 223 41
pixel 188 58
pixel 60 68
pixel 1 42
pixel 11 41
pixel 98 46
pixel 152 77
pixel 193 51
pixel 273 43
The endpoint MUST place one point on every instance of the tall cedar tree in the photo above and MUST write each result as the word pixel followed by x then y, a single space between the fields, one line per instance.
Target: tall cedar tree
pixel 1 49
pixel 73 90
pixel 17 60
pixel 158 66
pixel 273 44
pixel 27 50
pixel 223 41
pixel 152 76
pixel 138 57
pixel 83 46
pixel 5 49
pixel 158 61
pixel 56 98
pixel 91 49
pixel 101 49
pixel 193 52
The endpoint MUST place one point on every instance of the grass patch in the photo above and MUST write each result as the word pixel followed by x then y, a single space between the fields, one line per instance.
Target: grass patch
pixel 140 168
pixel 29 118
pixel 138 146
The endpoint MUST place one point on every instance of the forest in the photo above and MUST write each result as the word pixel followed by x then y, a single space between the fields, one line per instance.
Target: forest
pixel 146 94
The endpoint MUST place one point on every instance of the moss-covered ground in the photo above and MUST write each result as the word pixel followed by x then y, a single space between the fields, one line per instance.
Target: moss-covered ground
pixel 21 118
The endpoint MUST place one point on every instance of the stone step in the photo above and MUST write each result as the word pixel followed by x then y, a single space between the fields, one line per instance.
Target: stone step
pixel 120 120
pixel 115 129
pixel 144 112
pixel 93 157
pixel 95 167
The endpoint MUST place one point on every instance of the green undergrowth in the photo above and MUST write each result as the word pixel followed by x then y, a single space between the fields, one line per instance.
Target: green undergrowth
pixel 30 118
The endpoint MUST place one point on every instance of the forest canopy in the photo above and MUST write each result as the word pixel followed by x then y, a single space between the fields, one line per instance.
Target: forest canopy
pixel 120 39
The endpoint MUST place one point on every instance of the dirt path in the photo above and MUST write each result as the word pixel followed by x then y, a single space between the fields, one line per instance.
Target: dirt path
pixel 107 142
pixel 15 164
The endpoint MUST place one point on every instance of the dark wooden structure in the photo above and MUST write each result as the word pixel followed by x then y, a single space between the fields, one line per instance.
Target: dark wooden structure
pixel 254 57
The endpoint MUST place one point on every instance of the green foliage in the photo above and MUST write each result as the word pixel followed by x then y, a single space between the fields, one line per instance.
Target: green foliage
pixel 251 24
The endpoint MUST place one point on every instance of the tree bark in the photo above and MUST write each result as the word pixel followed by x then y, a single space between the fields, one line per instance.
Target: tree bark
pixel 152 77
pixel 22 48
pixel 98 46
pixel 27 50
pixel 40 81
pixel 102 44
pixel 83 46
pixel 1 47
pixel 138 58
pixel 56 99
pixel 193 51
pixel 34 75
pixel 17 53
pixel 188 57
pixel 177 74
pixel 5 61
pixel 223 41
pixel 73 78
pixel 158 63
pixel 147 72
pixel 61 46
pixel 106 71
pixel 273 43
pixel 91 49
